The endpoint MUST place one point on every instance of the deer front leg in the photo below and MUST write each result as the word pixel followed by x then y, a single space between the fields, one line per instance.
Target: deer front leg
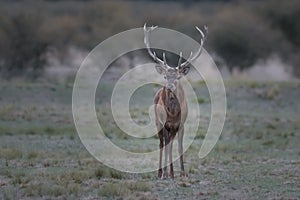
pixel 161 146
pixel 166 141
pixel 170 157
pixel 180 150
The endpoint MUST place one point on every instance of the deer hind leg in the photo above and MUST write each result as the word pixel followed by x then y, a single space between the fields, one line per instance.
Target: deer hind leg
pixel 180 150
pixel 166 141
pixel 170 146
pixel 161 146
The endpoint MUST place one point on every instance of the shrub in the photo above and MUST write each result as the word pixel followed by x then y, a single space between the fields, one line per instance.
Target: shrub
pixel 283 15
pixel 22 47
pixel 242 42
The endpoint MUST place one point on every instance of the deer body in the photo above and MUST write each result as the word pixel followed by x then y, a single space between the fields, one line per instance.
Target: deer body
pixel 176 111
pixel 170 104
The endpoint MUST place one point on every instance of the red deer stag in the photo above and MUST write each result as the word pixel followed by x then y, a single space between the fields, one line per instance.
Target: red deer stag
pixel 170 104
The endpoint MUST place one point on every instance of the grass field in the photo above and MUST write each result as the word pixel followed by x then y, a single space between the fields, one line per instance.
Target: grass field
pixel 257 156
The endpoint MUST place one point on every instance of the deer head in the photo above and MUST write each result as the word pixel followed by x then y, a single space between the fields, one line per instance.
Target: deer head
pixel 173 74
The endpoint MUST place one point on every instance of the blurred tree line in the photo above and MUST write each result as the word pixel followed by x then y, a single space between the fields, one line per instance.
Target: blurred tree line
pixel 241 32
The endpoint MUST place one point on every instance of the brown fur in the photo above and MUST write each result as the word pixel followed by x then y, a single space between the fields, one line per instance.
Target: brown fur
pixel 176 111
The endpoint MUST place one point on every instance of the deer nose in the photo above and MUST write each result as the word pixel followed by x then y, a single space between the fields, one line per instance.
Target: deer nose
pixel 171 87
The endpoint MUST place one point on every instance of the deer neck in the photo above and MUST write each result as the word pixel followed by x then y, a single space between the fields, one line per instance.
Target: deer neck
pixel 172 102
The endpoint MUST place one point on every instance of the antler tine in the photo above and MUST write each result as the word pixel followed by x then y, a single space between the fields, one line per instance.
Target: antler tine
pixel 186 62
pixel 164 58
pixel 179 60
pixel 152 54
pixel 198 53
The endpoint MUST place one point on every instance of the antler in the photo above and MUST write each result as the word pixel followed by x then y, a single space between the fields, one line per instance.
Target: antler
pixel 163 62
pixel 198 53
pixel 147 30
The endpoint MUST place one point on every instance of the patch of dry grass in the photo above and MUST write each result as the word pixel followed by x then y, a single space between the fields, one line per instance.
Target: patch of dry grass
pixel 123 189
pixel 10 153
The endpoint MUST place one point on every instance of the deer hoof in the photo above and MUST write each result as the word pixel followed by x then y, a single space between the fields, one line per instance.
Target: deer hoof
pixel 172 175
pixel 183 174
pixel 160 173
pixel 164 175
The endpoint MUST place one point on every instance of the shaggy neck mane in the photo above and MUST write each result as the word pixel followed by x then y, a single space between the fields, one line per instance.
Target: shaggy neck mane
pixel 171 104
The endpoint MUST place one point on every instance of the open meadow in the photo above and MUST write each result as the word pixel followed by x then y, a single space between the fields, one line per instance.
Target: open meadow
pixel 257 156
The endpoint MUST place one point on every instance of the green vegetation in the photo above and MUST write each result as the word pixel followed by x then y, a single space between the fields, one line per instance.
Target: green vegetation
pixel 10 153
pixel 257 156
pixel 123 189
pixel 240 32
pixel 23 45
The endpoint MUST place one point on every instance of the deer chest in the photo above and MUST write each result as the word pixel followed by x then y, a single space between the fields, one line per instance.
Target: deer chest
pixel 172 126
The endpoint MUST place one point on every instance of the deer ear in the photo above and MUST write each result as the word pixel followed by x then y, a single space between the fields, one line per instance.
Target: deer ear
pixel 184 70
pixel 160 69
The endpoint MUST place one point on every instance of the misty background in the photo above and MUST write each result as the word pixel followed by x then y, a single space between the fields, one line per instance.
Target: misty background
pixel 248 39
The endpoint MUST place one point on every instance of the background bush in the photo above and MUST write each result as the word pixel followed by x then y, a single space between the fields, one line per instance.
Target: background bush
pixel 23 46
pixel 241 38
pixel 240 32
pixel 283 16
